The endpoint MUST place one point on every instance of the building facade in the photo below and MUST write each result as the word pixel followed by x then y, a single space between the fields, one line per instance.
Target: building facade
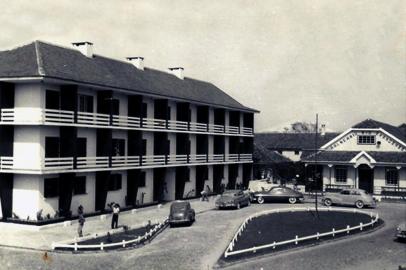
pixel 81 129
pixel 371 156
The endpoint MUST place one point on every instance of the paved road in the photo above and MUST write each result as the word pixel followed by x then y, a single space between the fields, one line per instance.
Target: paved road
pixel 199 246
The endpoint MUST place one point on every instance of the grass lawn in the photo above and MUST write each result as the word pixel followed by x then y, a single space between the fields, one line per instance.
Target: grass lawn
pixel 286 225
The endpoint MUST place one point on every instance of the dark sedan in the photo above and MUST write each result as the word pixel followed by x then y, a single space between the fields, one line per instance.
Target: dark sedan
pixel 278 194
pixel 233 198
pixel 181 213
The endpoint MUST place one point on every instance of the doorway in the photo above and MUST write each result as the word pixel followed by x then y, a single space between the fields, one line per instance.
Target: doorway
pixel 366 178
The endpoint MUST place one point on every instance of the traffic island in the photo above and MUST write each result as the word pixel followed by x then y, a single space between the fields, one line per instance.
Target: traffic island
pixel 282 229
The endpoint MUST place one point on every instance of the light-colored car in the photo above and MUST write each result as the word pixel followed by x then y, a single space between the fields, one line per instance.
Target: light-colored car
pixel 357 197
pixel 401 231
pixel 233 198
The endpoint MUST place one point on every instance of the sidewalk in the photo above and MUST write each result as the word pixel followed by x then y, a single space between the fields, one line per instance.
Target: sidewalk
pixel 42 240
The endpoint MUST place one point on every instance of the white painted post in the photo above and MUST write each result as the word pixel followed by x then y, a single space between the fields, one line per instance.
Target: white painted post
pixel 123 243
pixel 76 246
pixel 334 232
pixel 296 239
pixel 318 235
pixel 348 229
pixel 101 246
pixel 274 245
pixel 360 226
pixel 255 249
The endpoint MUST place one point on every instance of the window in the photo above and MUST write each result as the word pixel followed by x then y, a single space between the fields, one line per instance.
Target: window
pixel 81 147
pixel 366 139
pixel 79 185
pixel 345 192
pixel 115 182
pixel 51 186
pixel 141 181
pixel 392 176
pixel 118 147
pixel 85 103
pixel 51 147
pixel 52 100
pixel 341 174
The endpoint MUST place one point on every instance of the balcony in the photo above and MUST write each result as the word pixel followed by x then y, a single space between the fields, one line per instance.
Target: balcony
pixel 36 116
pixel 86 164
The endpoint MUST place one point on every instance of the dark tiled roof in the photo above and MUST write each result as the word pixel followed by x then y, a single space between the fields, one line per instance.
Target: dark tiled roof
pixel 346 156
pixel 262 155
pixel 43 59
pixel 370 123
pixel 292 141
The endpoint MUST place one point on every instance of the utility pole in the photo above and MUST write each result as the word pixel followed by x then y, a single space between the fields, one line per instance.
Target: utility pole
pixel 315 164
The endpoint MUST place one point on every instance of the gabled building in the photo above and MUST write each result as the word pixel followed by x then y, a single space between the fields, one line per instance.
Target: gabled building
pixel 371 155
pixel 78 128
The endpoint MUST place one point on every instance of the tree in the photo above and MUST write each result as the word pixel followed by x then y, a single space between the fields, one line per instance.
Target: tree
pixel 300 127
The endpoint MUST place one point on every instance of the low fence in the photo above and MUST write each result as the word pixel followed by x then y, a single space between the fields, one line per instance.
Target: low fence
pixel 230 249
pixel 102 246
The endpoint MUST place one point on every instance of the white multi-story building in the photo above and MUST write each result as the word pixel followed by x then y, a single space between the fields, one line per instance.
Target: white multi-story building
pixel 81 129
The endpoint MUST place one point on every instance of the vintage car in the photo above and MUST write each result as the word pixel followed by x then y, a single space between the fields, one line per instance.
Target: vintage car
pixel 401 232
pixel 352 196
pixel 277 194
pixel 181 212
pixel 233 198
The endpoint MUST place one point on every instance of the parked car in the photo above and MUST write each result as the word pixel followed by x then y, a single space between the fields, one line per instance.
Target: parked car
pixel 401 232
pixel 351 196
pixel 279 193
pixel 233 198
pixel 181 212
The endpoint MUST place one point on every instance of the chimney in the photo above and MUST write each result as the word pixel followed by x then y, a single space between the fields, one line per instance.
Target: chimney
pixel 137 61
pixel 85 47
pixel 177 71
pixel 323 130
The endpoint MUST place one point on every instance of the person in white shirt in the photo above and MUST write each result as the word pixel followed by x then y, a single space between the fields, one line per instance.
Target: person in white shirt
pixel 116 211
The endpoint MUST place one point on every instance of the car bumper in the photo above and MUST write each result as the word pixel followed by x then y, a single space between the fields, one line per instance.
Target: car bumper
pixel 179 221
pixel 224 205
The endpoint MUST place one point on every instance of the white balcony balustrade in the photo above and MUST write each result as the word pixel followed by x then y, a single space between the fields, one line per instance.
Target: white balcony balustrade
pixel 90 163
pixel 126 121
pixel 201 158
pixel 232 157
pixel 177 159
pixel 36 116
pixel 246 131
pixel 6 163
pixel 93 119
pixel 245 157
pixel 198 127
pixel 216 128
pixel 216 158
pixel 153 160
pixel 232 130
pixel 125 161
pixel 152 123
pixel 177 125
pixel 57 164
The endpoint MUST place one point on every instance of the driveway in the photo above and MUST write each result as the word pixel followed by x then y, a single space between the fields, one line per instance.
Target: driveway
pixel 199 247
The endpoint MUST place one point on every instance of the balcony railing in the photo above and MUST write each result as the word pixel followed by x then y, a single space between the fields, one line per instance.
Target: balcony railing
pixel 33 116
pixel 53 165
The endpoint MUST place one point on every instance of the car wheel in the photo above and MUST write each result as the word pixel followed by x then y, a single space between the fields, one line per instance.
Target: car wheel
pixel 238 206
pixel 359 204
pixel 292 200
pixel 328 202
pixel 260 200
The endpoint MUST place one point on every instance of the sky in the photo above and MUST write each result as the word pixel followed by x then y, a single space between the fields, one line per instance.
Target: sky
pixel 344 60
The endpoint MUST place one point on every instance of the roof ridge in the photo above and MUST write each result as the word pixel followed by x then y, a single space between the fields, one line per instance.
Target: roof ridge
pixel 40 64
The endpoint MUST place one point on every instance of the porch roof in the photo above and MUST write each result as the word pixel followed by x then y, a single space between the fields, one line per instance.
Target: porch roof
pixel 378 157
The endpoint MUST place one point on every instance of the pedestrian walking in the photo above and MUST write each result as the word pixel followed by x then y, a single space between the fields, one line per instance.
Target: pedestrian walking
pixel 116 211
pixel 81 221
pixel 205 193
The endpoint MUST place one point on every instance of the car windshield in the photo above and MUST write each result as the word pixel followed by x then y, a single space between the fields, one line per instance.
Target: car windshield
pixel 230 193
pixel 179 206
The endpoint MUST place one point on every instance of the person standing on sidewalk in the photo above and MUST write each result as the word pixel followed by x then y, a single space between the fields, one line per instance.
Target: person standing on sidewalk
pixel 81 221
pixel 116 212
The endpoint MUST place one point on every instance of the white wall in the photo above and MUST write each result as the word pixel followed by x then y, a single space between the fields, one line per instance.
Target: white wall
pixel 123 100
pixel 118 196
pixel 192 138
pixel 209 180
pixel 149 187
pixel 191 185
pixel 150 106
pixel 86 200
pixel 28 151
pixel 172 140
pixel 193 113
pixel 26 195
pixel 149 136
pixel 90 135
